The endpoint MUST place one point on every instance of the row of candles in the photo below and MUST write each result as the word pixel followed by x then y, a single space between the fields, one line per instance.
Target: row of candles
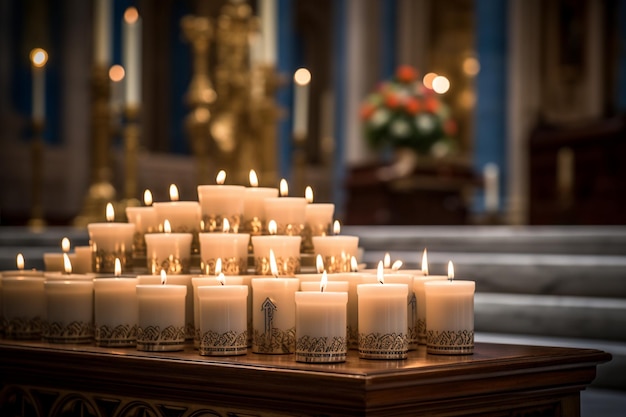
pixel 271 307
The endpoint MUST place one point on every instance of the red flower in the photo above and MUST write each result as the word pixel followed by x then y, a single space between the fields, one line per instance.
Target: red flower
pixel 431 104
pixel 406 73
pixel 392 101
pixel 412 106
pixel 367 110
pixel 450 127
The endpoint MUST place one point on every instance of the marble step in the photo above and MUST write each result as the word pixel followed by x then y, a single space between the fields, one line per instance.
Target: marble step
pixel 556 316
pixel 598 240
pixel 575 275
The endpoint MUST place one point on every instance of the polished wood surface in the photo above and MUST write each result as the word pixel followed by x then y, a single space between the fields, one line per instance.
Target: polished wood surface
pixel 497 380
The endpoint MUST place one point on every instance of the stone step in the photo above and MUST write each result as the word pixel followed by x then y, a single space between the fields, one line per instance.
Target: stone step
pixel 591 240
pixel 574 275
pixel 557 316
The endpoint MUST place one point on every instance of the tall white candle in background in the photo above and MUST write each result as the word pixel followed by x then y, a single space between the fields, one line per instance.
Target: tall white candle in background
pixel 269 27
pixel 302 79
pixel 39 58
pixel 103 11
pixel 450 315
pixel 491 174
pixel 131 41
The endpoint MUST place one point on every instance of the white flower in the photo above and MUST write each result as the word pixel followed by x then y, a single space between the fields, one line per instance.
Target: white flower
pixel 424 123
pixel 380 117
pixel 400 128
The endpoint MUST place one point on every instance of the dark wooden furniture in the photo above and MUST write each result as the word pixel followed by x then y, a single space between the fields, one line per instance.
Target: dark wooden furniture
pixel 39 379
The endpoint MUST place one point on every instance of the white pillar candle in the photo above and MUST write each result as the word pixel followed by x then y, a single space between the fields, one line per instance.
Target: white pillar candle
pixel 319 217
pixel 23 306
pixel 254 217
pixel 161 317
pixel 81 264
pixel 287 252
pixel 131 58
pixel 53 262
pixel 184 217
pixel 288 212
pixel 302 80
pixel 411 305
pixel 103 10
pixel 269 27
pixel 336 251
pixel 231 248
pixel 382 321
pixel 491 174
pixel 450 316
pixel 331 286
pixel 170 252
pixel 145 221
pixel 110 241
pixel 39 57
pixel 273 315
pixel 420 301
pixel 206 281
pixel 183 280
pixel 223 321
pixel 69 311
pixel 115 311
pixel 321 326
pixel 220 202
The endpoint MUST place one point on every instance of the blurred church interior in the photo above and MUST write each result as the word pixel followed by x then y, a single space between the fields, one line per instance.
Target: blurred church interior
pixel 537 92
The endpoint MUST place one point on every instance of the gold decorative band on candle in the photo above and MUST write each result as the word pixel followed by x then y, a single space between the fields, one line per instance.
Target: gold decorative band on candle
pixel 223 344
pixel 289 229
pixel 120 336
pixel 321 349
pixel 153 339
pixel 22 328
pixel 139 245
pixel 255 226
pixel 104 261
pixel 230 266
pixel 335 264
pixel 383 346
pixel 421 331
pixel 276 341
pixel 451 342
pixel 286 266
pixel 73 332
pixel 215 223
pixel 171 266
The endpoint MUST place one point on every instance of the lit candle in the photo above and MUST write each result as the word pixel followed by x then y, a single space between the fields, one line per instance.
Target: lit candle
pixel 145 221
pixel 337 251
pixel 318 218
pixel 115 310
pixel 411 305
pixel 39 58
pixel 53 262
pixel 231 248
pixel 273 313
pixel 286 249
pixel 219 202
pixel 321 324
pixel 288 212
pixel 268 11
pixel 450 315
pixel 161 316
pixel 302 79
pixel 102 32
pixel 184 216
pixel 420 297
pixel 223 322
pixel 168 251
pixel 383 319
pixel 82 260
pixel 131 41
pixel 254 218
pixel 109 241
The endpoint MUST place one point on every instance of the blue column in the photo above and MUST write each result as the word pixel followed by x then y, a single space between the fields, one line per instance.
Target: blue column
pixel 285 67
pixel 490 113
pixel 621 57
pixel 389 42
pixel 340 20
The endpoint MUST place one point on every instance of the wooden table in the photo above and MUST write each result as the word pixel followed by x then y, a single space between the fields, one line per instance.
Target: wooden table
pixel 41 379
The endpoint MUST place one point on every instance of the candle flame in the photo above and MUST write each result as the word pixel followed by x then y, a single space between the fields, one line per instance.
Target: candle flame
pixel 272 227
pixel 273 266
pixel 323 282
pixel 284 188
pixel 218 266
pixel 38 57
pixel 167 227
pixel 225 226
pixel 163 277
pixel 254 180
pixel 319 263
pixel 397 265
pixel 65 244
pixel 302 76
pixel 380 272
pixel 67 264
pixel 387 260
pixel 174 196
pixel 221 279
pixel 110 212
pixel 425 262
pixel 450 271
pixel 131 15
pixel 354 265
pixel 336 227
pixel 117 269
pixel 308 194
pixel 116 73
pixel 220 179
pixel 19 260
pixel 147 197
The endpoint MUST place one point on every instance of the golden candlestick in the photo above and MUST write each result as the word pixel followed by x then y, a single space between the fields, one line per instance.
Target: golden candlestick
pixel 36 215
pixel 101 191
